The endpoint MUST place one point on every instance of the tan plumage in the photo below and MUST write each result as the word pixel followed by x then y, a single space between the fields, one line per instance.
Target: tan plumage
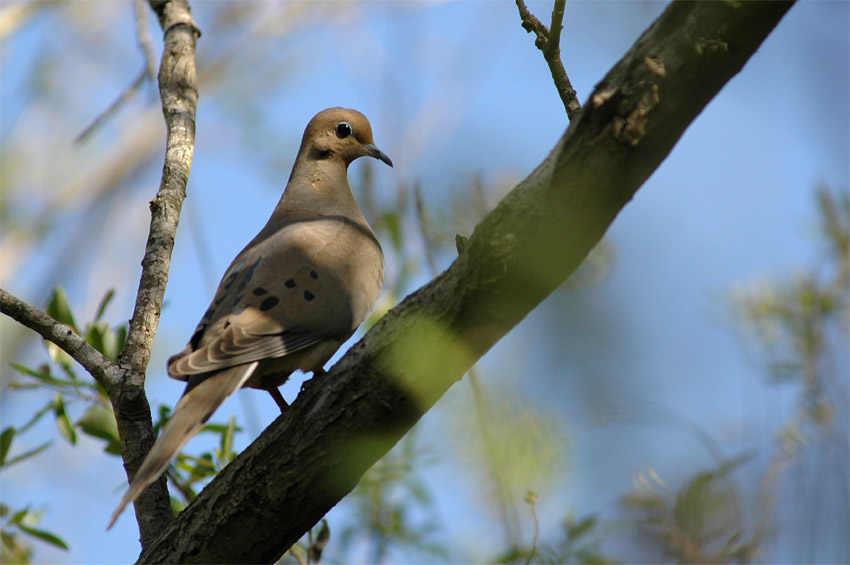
pixel 296 292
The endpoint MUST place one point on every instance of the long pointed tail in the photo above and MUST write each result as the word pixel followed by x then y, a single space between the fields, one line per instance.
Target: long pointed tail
pixel 191 413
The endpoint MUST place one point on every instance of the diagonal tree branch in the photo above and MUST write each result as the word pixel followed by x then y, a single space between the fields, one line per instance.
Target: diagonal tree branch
pixel 102 369
pixel 549 42
pixel 314 454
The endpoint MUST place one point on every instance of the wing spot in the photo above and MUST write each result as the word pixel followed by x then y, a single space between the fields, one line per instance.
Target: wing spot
pixel 308 296
pixel 269 303
pixel 259 291
pixel 314 274
pixel 290 283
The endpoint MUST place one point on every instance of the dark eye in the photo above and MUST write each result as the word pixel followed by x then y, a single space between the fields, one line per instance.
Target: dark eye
pixel 344 129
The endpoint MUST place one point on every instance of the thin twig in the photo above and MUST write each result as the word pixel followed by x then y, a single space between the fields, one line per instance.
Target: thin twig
pixel 531 499
pixel 101 368
pixel 548 41
pixel 148 72
pixel 143 37
pixel 128 92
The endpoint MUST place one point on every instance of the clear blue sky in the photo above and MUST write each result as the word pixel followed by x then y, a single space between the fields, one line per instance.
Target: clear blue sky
pixel 454 89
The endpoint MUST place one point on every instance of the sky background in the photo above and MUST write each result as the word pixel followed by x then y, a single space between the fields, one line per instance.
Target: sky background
pixel 629 367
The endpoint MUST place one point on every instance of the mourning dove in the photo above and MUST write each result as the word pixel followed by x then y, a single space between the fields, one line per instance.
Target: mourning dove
pixel 290 299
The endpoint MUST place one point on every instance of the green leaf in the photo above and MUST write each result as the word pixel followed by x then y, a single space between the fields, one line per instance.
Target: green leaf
pixel 227 442
pixel 576 530
pixel 5 442
pixel 61 358
pixel 18 517
pixel 95 334
pixel 36 417
pixel 106 340
pixel 42 374
pixel 26 454
pixel 99 421
pixel 9 540
pixel 62 421
pixel 58 309
pixel 46 537
pixel 104 303
pixel 120 340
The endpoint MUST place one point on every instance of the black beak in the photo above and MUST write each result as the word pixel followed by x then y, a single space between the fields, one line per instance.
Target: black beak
pixel 378 154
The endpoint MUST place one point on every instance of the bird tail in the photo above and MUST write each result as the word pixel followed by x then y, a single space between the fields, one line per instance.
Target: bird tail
pixel 195 407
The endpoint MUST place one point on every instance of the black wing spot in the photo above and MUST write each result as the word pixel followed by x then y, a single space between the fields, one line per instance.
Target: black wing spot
pixel 308 296
pixel 259 291
pixel 196 337
pixel 269 303
pixel 290 283
pixel 314 274
pixel 230 278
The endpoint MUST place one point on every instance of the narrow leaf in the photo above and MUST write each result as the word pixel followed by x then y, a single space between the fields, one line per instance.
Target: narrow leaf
pixel 5 442
pixel 104 303
pixel 58 309
pixel 27 454
pixel 46 537
pixel 99 421
pixel 62 421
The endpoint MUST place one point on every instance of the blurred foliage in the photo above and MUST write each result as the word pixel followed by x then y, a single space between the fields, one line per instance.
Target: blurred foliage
pixel 700 523
pixel 510 446
pixel 17 528
pixel 393 507
pixel 801 325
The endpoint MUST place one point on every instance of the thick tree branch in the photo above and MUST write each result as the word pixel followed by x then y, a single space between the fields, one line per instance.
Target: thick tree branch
pixel 549 42
pixel 102 369
pixel 312 455
pixel 179 92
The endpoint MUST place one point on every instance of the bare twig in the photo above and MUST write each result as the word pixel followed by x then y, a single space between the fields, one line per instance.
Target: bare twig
pixel 148 71
pixel 143 37
pixel 531 499
pixel 116 104
pixel 548 41
pixel 102 369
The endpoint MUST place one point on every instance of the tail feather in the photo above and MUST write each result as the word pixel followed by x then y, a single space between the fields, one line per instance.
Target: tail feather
pixel 191 413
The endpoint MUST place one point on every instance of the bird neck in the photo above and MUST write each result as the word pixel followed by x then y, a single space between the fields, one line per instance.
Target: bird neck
pixel 319 186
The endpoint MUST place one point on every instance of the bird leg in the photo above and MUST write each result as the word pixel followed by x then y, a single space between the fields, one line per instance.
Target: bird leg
pixel 278 398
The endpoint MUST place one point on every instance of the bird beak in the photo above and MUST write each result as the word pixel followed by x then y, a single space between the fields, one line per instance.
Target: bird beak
pixel 378 154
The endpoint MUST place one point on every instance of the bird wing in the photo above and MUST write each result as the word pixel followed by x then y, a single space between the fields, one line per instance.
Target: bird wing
pixel 293 287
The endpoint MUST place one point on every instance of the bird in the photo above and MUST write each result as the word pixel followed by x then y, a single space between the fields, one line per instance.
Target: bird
pixel 289 299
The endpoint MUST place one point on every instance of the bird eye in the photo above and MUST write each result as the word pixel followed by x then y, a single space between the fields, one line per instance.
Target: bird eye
pixel 344 129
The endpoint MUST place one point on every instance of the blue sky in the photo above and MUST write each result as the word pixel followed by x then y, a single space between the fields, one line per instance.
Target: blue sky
pixel 451 89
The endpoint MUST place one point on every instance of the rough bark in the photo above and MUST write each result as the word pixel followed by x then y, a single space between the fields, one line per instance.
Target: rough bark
pixel 312 455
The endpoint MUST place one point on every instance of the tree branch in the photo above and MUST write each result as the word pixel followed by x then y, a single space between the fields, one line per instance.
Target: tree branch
pixel 102 369
pixel 314 454
pixel 549 42
pixel 179 92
